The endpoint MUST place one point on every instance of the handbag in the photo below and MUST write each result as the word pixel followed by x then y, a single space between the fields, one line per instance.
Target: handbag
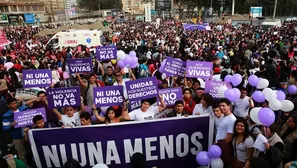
pixel 236 163
pixel 227 155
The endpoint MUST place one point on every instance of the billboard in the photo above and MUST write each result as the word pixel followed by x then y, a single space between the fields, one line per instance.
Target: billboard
pixel 256 11
pixel 29 18
pixel 3 18
pixel 163 5
pixel 15 18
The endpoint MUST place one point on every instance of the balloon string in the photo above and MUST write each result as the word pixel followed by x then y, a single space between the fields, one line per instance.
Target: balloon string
pixel 264 127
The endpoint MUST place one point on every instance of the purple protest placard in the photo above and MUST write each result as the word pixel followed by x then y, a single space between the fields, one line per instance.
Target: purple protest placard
pixel 81 65
pixel 165 143
pixel 108 96
pixel 63 97
pixel 197 69
pixel 134 105
pixel 212 87
pixel 37 78
pixel 25 118
pixel 174 67
pixel 170 95
pixel 143 88
pixel 106 53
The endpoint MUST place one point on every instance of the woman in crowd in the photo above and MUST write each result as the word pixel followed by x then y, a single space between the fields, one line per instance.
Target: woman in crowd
pixel 242 144
pixel 288 134
pixel 205 106
pixel 188 101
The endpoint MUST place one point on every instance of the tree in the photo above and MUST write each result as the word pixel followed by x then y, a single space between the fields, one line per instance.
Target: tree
pixel 104 4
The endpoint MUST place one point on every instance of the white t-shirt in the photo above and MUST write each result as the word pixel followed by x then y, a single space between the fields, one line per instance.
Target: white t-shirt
pixel 124 87
pixel 241 107
pixel 241 149
pixel 199 109
pixel 218 121
pixel 139 115
pixel 70 122
pixel 226 126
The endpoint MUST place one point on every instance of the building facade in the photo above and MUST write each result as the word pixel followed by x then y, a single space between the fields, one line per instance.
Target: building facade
pixel 13 11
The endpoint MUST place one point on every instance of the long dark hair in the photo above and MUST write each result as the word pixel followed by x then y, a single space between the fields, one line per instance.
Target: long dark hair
pixel 246 132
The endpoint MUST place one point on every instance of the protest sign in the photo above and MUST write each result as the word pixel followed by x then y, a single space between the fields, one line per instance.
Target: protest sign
pixel 37 78
pixel 25 118
pixel 197 69
pixel 165 143
pixel 81 65
pixel 212 87
pixel 143 88
pixel 170 95
pixel 174 67
pixel 106 53
pixel 108 96
pixel 134 105
pixel 27 94
pixel 63 97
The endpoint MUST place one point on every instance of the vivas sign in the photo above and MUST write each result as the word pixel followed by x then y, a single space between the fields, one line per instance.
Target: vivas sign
pixel 173 146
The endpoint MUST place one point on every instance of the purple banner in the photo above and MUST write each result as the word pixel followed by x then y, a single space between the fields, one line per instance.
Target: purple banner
pixel 106 53
pixel 170 95
pixel 174 67
pixel 197 69
pixel 81 65
pixel 37 78
pixel 108 96
pixel 134 105
pixel 143 88
pixel 25 118
pixel 165 143
pixel 63 97
pixel 212 87
pixel 195 26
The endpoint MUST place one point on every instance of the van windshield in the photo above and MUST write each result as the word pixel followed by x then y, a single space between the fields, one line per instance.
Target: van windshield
pixel 54 41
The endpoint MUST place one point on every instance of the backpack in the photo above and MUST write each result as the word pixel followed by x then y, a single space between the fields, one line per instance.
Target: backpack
pixel 86 91
pixel 252 130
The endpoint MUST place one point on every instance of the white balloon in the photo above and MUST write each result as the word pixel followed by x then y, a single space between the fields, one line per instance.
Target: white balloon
pixel 221 90
pixel 216 163
pixel 121 55
pixel 254 114
pixel 275 105
pixel 100 165
pixel 263 83
pixel 270 95
pixel 287 106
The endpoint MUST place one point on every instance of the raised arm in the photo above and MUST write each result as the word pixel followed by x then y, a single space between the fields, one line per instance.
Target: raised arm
pixel 82 105
pixel 132 74
pixel 100 118
pixel 82 83
pixel 57 113
pixel 162 106
pixel 125 114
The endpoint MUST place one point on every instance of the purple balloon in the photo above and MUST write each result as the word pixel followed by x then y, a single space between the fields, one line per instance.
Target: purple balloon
pixel 236 79
pixel 280 95
pixel 121 63
pixel 134 66
pixel 253 80
pixel 258 96
pixel 230 94
pixel 266 116
pixel 237 93
pixel 202 158
pixel 214 151
pixel 132 54
pixel 228 78
pixel 292 89
pixel 128 60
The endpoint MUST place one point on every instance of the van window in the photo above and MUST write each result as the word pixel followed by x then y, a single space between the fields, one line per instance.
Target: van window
pixel 54 41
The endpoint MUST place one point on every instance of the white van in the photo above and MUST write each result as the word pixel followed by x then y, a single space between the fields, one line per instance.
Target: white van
pixel 73 38
pixel 270 24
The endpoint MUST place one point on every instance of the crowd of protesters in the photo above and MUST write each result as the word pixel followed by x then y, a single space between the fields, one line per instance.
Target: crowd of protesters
pixel 244 49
